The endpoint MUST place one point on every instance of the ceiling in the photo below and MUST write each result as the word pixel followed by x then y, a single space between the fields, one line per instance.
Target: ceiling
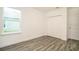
pixel 45 9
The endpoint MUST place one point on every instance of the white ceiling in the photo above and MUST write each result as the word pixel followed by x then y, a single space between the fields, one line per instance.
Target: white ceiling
pixel 45 9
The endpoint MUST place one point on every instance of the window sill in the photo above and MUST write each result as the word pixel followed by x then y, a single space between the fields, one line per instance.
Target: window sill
pixel 3 33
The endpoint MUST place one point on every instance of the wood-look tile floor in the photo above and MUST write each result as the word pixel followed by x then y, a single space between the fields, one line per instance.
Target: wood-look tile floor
pixel 44 43
pixel 72 45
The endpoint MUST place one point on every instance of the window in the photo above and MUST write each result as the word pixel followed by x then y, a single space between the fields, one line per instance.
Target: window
pixel 11 18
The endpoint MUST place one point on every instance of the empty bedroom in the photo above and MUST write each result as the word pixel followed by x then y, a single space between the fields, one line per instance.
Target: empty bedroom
pixel 39 29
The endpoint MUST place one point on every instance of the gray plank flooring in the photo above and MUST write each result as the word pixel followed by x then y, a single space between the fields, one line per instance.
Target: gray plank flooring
pixel 44 43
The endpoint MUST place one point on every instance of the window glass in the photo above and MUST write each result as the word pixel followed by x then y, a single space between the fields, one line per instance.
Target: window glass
pixel 11 19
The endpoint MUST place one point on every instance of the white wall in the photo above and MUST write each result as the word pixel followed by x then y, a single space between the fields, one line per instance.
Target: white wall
pixel 73 23
pixel 35 24
pixel 32 24
pixel 57 23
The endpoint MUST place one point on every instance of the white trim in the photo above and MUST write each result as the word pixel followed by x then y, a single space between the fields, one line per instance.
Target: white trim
pixel 6 33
